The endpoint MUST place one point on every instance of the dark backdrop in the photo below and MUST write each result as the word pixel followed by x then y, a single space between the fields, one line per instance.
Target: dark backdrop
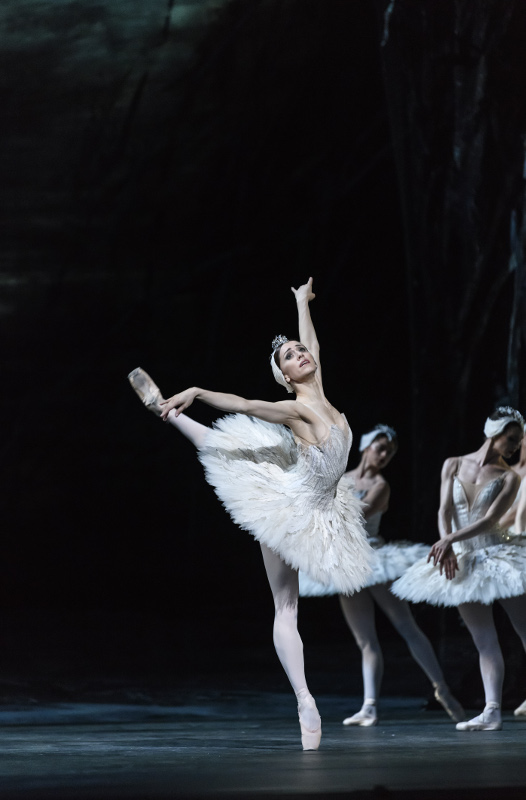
pixel 167 174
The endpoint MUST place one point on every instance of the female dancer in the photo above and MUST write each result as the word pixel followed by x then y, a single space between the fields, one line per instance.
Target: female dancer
pixel 476 491
pixel 277 472
pixel 378 448
pixel 510 518
pixel 515 521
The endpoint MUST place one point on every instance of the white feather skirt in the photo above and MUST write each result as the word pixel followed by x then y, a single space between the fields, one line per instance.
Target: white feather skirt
pixel 390 562
pixel 287 495
pixel 486 573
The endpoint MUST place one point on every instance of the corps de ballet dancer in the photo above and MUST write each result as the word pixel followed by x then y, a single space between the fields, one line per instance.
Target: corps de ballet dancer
pixel 515 522
pixel 276 467
pixel 476 562
pixel 377 448
pixel 510 520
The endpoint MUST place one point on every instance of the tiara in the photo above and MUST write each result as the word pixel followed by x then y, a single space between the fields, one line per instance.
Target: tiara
pixel 508 411
pixel 387 430
pixel 278 341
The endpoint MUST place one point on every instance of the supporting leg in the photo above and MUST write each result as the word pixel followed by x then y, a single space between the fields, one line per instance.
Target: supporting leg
pixel 515 608
pixel 283 582
pixel 479 621
pixel 358 611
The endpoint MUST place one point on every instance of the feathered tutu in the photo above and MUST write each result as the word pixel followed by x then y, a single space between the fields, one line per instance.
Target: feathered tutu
pixel 488 573
pixel 390 561
pixel 492 565
pixel 287 495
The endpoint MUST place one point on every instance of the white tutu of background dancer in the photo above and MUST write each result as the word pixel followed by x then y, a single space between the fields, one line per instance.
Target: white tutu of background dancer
pixel 476 562
pixel 391 560
pixel 277 467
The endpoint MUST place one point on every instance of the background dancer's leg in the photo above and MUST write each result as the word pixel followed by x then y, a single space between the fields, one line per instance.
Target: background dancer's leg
pixel 399 614
pixel 515 608
pixel 479 621
pixel 283 582
pixel 359 613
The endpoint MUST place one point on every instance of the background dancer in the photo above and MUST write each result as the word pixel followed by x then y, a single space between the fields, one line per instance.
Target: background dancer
pixel 475 562
pixel 368 483
pixel 277 472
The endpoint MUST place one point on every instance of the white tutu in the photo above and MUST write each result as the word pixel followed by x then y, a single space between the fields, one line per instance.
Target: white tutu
pixel 287 495
pixel 389 563
pixel 491 566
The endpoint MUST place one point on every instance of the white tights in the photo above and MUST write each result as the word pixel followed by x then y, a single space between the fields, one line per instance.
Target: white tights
pixel 283 582
pixel 479 621
pixel 359 613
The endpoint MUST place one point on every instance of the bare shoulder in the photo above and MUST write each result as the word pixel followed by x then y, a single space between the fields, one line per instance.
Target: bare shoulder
pixel 511 477
pixel 450 466
pixel 290 408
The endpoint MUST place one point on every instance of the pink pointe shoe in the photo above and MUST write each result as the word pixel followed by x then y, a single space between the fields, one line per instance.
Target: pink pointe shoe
pixel 366 716
pixel 449 703
pixel 310 722
pixel 148 392
pixel 489 720
pixel 520 711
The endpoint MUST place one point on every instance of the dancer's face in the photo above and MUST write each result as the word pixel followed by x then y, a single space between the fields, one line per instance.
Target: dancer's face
pixel 296 362
pixel 380 452
pixel 509 441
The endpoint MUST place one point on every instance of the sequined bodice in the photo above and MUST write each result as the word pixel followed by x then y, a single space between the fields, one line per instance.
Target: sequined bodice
pixel 320 467
pixel 465 513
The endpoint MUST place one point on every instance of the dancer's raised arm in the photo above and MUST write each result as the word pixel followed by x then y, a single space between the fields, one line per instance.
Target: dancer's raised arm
pixel 283 412
pixel 308 337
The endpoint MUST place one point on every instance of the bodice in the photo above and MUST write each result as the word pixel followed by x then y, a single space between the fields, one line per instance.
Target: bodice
pixel 320 467
pixel 466 512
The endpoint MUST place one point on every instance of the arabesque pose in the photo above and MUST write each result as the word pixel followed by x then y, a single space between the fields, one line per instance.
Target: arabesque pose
pixel 277 467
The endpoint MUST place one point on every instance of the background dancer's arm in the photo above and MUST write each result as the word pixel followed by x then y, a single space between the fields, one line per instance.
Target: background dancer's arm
pixel 376 499
pixel 306 328
pixel 282 412
pixel 447 557
pixel 500 505
pixel 520 518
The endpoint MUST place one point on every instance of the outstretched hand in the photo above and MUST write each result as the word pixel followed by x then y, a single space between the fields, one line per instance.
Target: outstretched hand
pixel 442 553
pixel 179 401
pixel 304 292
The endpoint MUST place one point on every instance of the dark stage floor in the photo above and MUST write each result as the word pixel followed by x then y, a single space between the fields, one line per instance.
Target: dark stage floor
pixel 244 745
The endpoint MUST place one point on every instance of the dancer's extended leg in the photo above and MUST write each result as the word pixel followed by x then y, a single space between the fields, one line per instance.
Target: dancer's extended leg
pixel 151 396
pixel 358 610
pixel 283 582
pixel 479 622
pixel 515 608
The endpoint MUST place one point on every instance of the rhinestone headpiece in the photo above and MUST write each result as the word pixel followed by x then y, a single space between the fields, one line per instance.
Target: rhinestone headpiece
pixel 278 341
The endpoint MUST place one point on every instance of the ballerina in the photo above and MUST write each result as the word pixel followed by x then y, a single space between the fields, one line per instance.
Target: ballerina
pixel 476 562
pixel 378 447
pixel 510 518
pixel 515 521
pixel 276 467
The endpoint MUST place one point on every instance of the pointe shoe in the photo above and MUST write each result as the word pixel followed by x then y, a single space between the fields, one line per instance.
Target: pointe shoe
pixel 365 717
pixel 148 392
pixel 521 710
pixel 310 722
pixel 449 703
pixel 489 720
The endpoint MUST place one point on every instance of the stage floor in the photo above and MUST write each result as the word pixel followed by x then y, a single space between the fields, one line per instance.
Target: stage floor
pixel 243 745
